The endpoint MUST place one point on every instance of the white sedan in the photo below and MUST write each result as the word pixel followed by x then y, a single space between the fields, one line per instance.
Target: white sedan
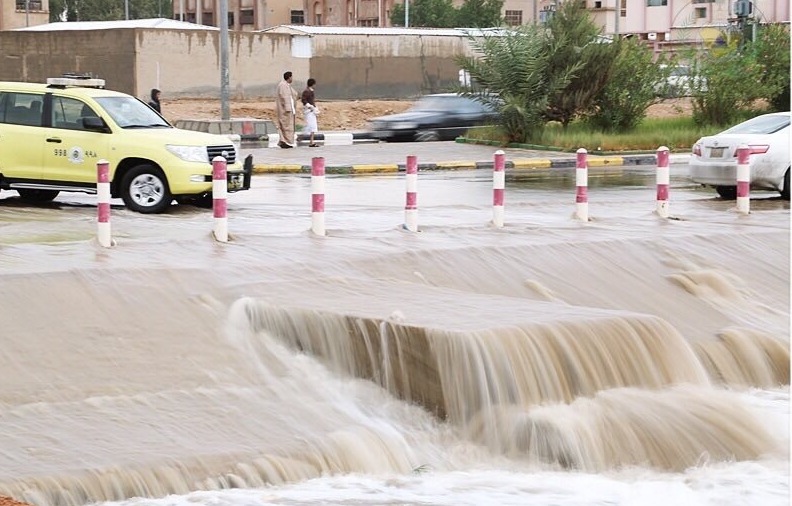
pixel 714 158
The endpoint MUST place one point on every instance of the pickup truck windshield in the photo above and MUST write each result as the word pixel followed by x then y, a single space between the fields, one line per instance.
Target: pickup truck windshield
pixel 129 112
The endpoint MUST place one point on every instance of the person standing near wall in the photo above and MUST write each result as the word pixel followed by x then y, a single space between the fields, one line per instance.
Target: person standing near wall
pixel 310 111
pixel 284 109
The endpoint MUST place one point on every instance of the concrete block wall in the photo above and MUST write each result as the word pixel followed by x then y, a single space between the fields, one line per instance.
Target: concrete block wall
pixel 191 65
pixel 186 63
pixel 35 56
pixel 386 66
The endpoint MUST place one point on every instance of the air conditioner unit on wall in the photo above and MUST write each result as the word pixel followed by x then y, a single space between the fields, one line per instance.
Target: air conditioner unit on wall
pixel 651 36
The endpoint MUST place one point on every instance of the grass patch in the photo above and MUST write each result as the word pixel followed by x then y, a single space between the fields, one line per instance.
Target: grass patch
pixel 678 134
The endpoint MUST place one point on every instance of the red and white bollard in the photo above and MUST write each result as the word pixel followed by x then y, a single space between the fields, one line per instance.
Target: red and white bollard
pixel 318 195
pixel 219 198
pixel 411 205
pixel 103 233
pixel 743 179
pixel 663 181
pixel 581 182
pixel 498 188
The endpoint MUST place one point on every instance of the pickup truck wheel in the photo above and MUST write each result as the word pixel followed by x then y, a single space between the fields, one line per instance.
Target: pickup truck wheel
pixel 145 190
pixel 727 192
pixel 35 195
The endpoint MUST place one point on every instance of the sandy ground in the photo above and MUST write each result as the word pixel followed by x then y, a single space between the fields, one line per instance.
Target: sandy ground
pixel 6 501
pixel 342 115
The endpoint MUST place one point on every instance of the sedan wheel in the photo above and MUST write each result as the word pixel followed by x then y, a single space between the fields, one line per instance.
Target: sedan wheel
pixel 785 190
pixel 145 190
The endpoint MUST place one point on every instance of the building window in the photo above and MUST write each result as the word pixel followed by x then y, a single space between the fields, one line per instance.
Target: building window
pixel 703 1
pixel 598 5
pixel 297 18
pixel 368 22
pixel 513 18
pixel 701 12
pixel 208 19
pixel 318 17
pixel 246 17
pixel 623 8
pixel 656 3
pixel 32 5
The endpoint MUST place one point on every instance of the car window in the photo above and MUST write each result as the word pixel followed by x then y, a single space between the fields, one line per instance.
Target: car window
pixel 69 113
pixel 21 108
pixel 469 106
pixel 450 103
pixel 432 104
pixel 760 125
pixel 129 112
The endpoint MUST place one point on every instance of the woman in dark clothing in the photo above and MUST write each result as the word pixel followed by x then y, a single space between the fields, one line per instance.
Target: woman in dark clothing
pixel 155 100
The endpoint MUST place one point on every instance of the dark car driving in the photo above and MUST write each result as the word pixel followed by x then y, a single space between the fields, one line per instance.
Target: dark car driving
pixel 443 116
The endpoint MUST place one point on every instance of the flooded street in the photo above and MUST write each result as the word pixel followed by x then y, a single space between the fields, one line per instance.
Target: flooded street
pixel 627 360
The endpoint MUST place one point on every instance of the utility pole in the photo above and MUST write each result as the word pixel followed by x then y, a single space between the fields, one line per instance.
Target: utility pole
pixel 406 13
pixel 616 21
pixel 225 109
pixel 181 10
pixel 126 9
pixel 27 12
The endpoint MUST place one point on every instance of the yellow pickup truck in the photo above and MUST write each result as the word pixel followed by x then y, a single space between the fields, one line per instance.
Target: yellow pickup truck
pixel 52 135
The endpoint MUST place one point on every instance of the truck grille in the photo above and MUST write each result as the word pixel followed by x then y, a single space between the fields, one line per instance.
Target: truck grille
pixel 230 152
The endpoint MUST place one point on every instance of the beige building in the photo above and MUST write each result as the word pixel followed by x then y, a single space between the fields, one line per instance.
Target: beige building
pixel 252 15
pixel 660 21
pixel 243 15
pixel 22 13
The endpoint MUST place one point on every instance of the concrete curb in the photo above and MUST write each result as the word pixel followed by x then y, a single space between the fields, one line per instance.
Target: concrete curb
pixel 517 164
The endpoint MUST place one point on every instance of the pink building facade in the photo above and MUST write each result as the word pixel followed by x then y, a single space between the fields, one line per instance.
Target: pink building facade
pixel 666 22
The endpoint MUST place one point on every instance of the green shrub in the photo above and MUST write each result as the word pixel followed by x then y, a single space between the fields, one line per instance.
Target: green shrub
pixel 510 72
pixel 771 52
pixel 726 82
pixel 630 90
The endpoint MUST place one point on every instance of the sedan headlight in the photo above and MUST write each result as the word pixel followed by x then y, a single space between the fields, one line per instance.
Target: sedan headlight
pixel 189 153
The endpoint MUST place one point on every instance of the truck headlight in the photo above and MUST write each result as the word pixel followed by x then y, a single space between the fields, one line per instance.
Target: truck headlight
pixel 189 153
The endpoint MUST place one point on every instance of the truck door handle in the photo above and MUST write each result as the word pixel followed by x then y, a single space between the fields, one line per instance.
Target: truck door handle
pixel 54 139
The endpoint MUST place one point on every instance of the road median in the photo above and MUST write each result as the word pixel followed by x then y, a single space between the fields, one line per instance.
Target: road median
pixel 594 162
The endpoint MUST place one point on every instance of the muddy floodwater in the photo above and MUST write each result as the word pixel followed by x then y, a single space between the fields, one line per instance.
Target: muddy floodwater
pixel 628 360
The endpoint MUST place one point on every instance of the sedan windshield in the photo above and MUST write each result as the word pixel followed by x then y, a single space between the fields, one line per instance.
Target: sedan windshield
pixel 129 112
pixel 760 125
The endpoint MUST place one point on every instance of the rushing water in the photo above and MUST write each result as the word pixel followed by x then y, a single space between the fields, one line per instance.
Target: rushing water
pixel 627 361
